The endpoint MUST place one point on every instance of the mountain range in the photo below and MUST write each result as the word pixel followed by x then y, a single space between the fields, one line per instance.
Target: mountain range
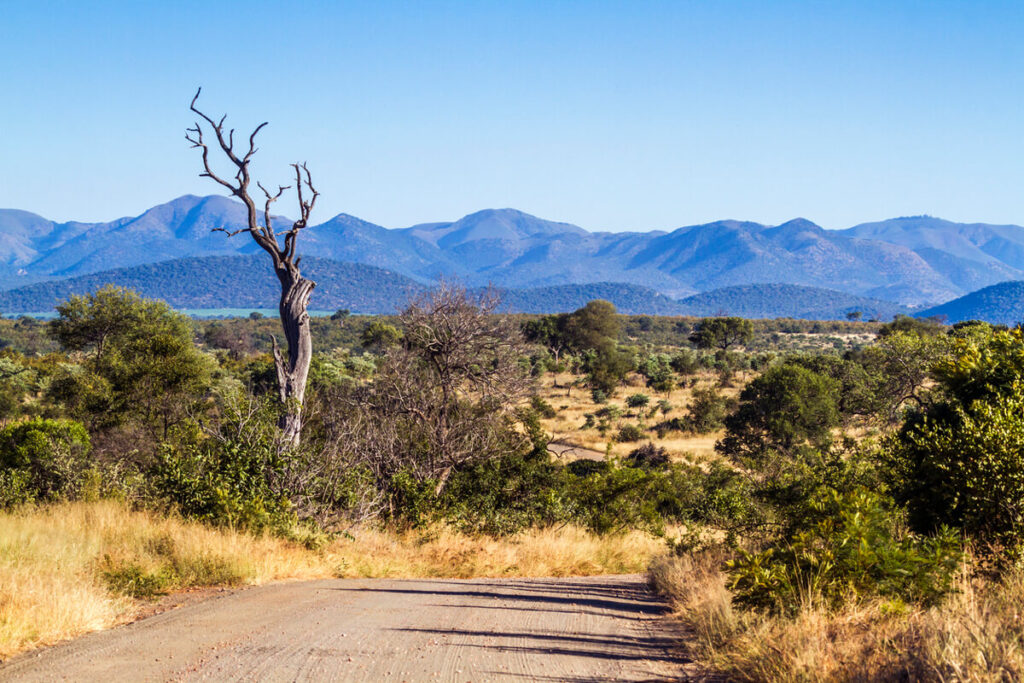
pixel 911 261
pixel 214 282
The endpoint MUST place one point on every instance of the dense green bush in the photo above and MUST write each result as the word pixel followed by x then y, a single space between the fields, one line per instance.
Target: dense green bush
pixel 851 547
pixel 629 433
pixel 43 459
pixel 960 461
pixel 506 495
pixel 233 475
pixel 648 456
pixel 707 411
pixel 787 407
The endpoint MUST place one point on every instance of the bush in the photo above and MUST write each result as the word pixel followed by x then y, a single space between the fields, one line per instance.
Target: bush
pixel 610 499
pixel 707 411
pixel 542 407
pixel 629 433
pixel 638 400
pixel 962 466
pixel 851 548
pixel 787 407
pixel 685 363
pixel 233 477
pixel 615 499
pixel 959 461
pixel 506 495
pixel 44 459
pixel 648 457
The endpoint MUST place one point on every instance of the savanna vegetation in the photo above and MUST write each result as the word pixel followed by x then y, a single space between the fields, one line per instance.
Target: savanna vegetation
pixel 822 501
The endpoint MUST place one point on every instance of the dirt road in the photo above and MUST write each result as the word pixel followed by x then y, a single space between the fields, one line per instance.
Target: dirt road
pixel 581 629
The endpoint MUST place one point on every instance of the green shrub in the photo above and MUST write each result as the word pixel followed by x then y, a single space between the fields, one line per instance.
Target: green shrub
pixel 131 580
pixel 45 459
pixel 961 465
pixel 638 400
pixel 542 407
pixel 232 477
pixel 850 548
pixel 15 488
pixel 707 411
pixel 506 495
pixel 629 433
pixel 959 461
pixel 584 467
pixel 786 408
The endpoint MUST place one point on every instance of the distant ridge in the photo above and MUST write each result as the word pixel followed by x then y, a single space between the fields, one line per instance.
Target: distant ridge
pixel 628 299
pixel 1002 304
pixel 228 282
pixel 788 301
pixel 214 282
pixel 914 261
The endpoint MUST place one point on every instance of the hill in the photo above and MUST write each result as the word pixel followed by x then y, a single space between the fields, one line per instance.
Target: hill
pixel 1001 304
pixel 969 255
pixel 787 301
pixel 913 261
pixel 216 282
pixel 628 299
pixel 247 282
pixel 228 282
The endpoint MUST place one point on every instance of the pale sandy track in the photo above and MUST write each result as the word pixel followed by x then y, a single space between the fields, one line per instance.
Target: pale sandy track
pixel 578 629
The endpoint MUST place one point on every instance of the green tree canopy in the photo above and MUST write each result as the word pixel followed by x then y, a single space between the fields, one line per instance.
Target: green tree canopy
pixel 960 460
pixel 722 333
pixel 595 326
pixel 140 362
pixel 786 407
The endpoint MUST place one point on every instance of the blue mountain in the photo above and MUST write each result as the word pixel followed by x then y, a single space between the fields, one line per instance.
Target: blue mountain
pixel 909 261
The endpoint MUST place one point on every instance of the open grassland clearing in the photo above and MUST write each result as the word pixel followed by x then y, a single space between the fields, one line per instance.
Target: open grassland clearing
pixel 569 424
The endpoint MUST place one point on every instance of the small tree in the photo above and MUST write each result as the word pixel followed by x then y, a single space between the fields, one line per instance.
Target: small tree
pixel 595 326
pixel 959 461
pixel 445 397
pixel 786 407
pixel 140 362
pixel 722 333
pixel 379 335
pixel 292 372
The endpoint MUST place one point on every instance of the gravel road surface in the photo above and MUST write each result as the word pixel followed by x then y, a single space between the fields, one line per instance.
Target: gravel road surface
pixel 575 629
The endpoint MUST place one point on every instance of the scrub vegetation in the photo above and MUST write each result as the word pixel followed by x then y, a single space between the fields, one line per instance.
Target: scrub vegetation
pixel 831 502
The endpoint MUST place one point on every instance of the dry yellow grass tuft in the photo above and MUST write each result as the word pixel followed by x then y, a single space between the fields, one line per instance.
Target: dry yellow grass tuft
pixel 73 568
pixel 976 635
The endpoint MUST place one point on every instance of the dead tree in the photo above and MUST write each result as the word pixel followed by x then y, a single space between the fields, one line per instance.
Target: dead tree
pixel 295 289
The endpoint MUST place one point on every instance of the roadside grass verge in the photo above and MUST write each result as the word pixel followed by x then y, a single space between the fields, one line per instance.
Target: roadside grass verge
pixel 976 635
pixel 72 568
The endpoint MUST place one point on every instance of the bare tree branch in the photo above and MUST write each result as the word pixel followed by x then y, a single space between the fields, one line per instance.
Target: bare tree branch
pixel 292 371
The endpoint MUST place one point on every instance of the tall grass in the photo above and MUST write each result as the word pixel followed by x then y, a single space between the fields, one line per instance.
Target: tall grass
pixel 72 568
pixel 975 635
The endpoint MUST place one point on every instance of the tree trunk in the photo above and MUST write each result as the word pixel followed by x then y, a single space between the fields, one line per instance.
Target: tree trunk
pixel 293 372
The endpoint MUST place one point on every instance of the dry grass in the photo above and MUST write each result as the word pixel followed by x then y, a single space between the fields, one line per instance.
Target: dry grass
pixel 976 635
pixel 572 406
pixel 69 569
pixel 566 551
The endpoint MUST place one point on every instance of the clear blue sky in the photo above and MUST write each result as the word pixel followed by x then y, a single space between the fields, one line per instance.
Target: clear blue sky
pixel 612 115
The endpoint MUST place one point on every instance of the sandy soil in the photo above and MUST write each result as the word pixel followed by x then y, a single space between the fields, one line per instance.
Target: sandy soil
pixel 560 629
